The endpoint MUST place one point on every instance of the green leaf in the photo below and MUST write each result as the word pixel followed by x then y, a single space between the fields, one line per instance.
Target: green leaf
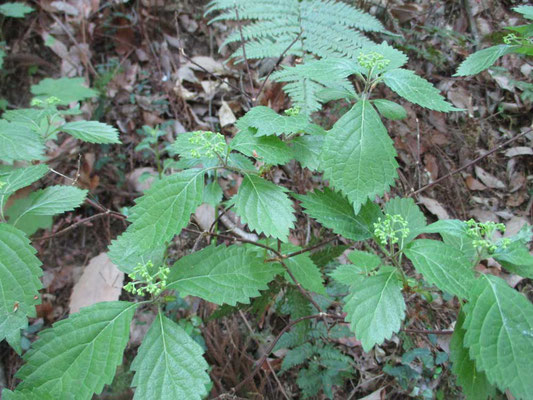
pixel 265 207
pixel 307 150
pixel 212 194
pixel 79 355
pixel 169 364
pixel 375 307
pixel 416 90
pixel 19 283
pixel 19 143
pixel 18 178
pixel 269 149
pixel 266 122
pixel 390 109
pixel 482 59
pixel 358 156
pixel 516 259
pixel 67 90
pixel 364 260
pixel 526 11
pixel 54 200
pixel 27 223
pixel 36 119
pixel 335 212
pixel 222 274
pixel 15 10
pixel 499 335
pixel 26 395
pixel 304 270
pixel 406 207
pixel 443 266
pixel 454 234
pixel 474 383
pixel 162 212
pixel 91 131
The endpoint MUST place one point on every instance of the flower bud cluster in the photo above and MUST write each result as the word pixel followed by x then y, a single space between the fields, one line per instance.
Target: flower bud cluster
pixel 372 61
pixel 391 229
pixel 481 234
pixel 144 282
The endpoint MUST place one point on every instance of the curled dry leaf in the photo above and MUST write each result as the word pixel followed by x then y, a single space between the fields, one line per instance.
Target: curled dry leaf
pixel 488 179
pixel 101 281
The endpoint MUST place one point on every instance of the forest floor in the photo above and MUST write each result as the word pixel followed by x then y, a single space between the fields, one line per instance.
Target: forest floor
pixel 130 52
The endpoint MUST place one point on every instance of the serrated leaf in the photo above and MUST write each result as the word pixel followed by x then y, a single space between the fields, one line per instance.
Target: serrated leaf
pixel 364 260
pixel 169 364
pixel 443 266
pixel 18 178
pixel 516 259
pixel 222 274
pixel 406 207
pixel 19 143
pixel 474 383
pixel 266 122
pixel 358 157
pixel 54 200
pixel 482 59
pixel 416 90
pixel 454 234
pixel 15 9
pixel 269 149
pixel 67 90
pixel 162 212
pixel 212 194
pixel 304 270
pixel 335 212
pixel 91 131
pixel 375 307
pixel 499 335
pixel 28 223
pixel 19 283
pixel 390 109
pixel 26 395
pixel 36 119
pixel 307 150
pixel 78 356
pixel 265 207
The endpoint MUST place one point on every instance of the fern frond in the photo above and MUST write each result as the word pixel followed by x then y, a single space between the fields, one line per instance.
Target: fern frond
pixel 328 28
pixel 304 82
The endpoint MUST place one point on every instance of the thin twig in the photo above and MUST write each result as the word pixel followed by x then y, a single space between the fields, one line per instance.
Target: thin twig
pixel 71 227
pixel 281 388
pixel 256 97
pixel 275 341
pixel 244 52
pixel 218 218
pixel 316 246
pixel 456 171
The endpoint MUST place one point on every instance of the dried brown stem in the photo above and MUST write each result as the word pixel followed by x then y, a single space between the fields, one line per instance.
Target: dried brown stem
pixel 71 227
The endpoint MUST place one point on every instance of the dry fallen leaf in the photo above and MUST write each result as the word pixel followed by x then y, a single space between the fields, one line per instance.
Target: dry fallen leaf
pixel 208 64
pixel 101 281
pixel 434 207
pixel 205 216
pixel 488 179
pixel 225 115
pixel 473 184
pixel 519 151
pixel 140 179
